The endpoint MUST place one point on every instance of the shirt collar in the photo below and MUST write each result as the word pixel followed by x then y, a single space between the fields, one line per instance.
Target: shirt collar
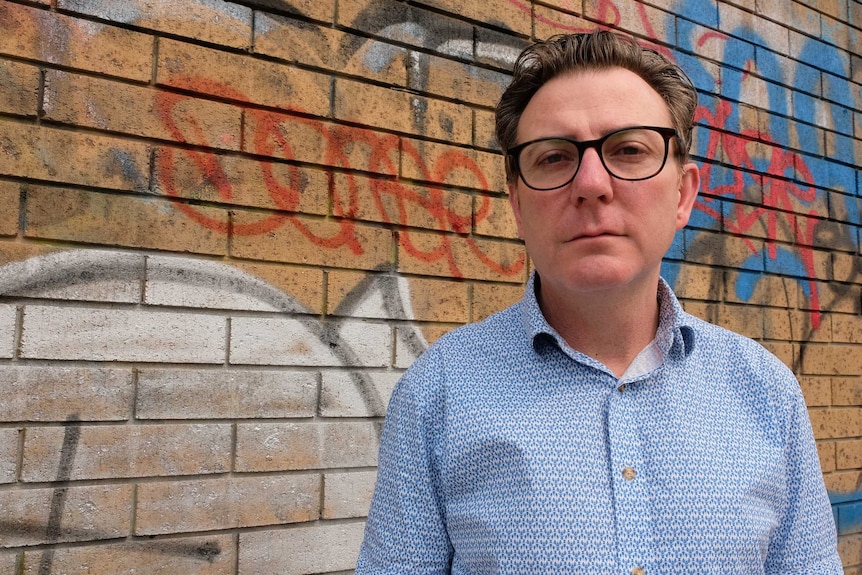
pixel 675 333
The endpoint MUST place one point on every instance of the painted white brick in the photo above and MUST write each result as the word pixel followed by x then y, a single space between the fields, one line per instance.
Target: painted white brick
pixel 347 494
pixel 121 335
pixel 356 393
pixel 86 275
pixel 226 502
pixel 8 561
pixel 114 451
pixel 306 445
pixel 8 455
pixel 39 393
pixel 316 549
pixel 187 282
pixel 408 346
pixel 7 331
pixel 291 341
pixel 210 555
pixel 235 394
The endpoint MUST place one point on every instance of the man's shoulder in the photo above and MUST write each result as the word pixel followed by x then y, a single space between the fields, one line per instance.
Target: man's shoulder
pixel 495 330
pixel 718 346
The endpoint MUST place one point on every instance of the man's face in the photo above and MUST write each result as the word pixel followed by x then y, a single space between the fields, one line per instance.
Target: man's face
pixel 598 232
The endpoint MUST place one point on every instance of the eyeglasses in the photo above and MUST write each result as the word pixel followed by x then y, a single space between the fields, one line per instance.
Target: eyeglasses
pixel 632 154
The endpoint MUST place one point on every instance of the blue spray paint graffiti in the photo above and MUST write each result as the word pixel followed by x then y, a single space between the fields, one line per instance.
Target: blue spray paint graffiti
pixel 812 163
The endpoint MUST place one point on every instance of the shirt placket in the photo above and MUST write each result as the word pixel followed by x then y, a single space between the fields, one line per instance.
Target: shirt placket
pixel 631 502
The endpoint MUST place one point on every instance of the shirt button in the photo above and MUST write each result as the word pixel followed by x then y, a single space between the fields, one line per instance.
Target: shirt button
pixel 629 473
pixel 638 571
pixel 621 388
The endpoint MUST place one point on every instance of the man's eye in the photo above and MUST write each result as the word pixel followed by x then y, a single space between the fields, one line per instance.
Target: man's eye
pixel 630 149
pixel 553 158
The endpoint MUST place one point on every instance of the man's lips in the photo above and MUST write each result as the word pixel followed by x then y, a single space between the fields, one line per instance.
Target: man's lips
pixel 594 234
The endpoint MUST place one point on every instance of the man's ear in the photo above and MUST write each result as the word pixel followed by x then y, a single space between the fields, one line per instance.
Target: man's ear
pixel 689 185
pixel 515 202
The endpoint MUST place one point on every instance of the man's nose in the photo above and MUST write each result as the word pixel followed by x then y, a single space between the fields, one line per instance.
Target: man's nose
pixel 592 180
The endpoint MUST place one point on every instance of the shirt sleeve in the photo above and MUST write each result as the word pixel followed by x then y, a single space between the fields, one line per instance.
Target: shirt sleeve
pixel 405 533
pixel 805 542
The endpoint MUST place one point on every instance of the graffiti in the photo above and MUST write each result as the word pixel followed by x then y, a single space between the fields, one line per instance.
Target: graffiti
pixel 778 185
pixel 382 152
pixel 71 435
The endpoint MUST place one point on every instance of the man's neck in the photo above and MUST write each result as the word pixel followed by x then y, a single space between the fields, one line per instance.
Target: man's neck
pixel 611 327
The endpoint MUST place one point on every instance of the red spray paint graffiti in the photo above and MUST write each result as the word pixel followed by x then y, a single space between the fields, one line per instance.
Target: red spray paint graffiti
pixel 269 140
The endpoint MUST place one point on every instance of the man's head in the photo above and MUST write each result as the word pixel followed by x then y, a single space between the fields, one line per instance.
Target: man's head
pixel 600 50
pixel 594 128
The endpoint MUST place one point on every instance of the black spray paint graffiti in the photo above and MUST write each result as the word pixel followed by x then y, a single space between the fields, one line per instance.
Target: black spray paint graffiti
pixel 39 277
pixel 54 531
pixel 71 435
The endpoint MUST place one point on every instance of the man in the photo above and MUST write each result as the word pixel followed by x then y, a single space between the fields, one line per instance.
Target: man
pixel 595 427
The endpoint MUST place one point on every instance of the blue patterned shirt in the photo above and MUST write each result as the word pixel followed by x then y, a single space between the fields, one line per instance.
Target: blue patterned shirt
pixel 506 451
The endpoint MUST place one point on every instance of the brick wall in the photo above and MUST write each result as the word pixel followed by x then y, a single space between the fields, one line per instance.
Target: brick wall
pixel 227 228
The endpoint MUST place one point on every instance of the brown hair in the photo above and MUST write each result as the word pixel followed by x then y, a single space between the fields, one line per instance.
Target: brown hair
pixel 596 50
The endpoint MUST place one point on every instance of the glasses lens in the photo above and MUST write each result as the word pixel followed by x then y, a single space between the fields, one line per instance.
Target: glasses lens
pixel 634 154
pixel 548 164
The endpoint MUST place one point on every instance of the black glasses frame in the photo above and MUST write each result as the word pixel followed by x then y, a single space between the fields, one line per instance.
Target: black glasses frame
pixel 514 153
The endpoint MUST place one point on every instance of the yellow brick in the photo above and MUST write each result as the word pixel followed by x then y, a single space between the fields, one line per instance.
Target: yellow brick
pixel 240 181
pixel 769 290
pixel 549 21
pixel 836 298
pixel 821 359
pixel 785 352
pixel 817 390
pixel 325 143
pixel 846 267
pixel 323 47
pixel 140 111
pixel 16 251
pixel 633 17
pixel 218 23
pixel 847 390
pixel 484 126
pixel 514 16
pixel 494 217
pixel 402 112
pixel 63 156
pixel 791 325
pixel 458 256
pixel 846 328
pixel 9 199
pixel 849 454
pixel 850 550
pixel 303 284
pixel 242 77
pixel 433 332
pixel 19 88
pixel 81 216
pixel 32 33
pixel 394 202
pixel 699 283
pixel 826 454
pixel 452 165
pixel 410 298
pixel 722 249
pixel 743 319
pixel 843 481
pixel 490 298
pixel 314 242
pixel 465 82
pixel 834 423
